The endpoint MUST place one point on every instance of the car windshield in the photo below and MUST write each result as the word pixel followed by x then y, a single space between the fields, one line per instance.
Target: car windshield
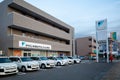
pixel 24 59
pixel 43 58
pixel 34 58
pixel 70 57
pixel 5 60
pixel 75 58
pixel 65 57
pixel 51 58
pixel 58 58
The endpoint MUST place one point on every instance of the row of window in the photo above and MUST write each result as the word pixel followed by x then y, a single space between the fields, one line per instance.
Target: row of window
pixel 90 39
pixel 90 46
pixel 38 19
pixel 35 36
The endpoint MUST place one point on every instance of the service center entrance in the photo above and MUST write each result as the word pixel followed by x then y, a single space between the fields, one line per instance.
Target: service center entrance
pixel 41 50
pixel 21 53
pixel 34 53
pixel 26 53
pixel 38 53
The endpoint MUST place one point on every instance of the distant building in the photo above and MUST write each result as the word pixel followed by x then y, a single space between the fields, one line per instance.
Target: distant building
pixel 85 46
pixel 28 31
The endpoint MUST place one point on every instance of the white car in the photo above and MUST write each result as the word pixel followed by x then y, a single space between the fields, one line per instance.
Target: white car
pixel 59 61
pixel 70 61
pixel 25 63
pixel 44 62
pixel 75 59
pixel 7 67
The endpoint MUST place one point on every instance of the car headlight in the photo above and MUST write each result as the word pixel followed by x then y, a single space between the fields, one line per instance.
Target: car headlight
pixel 48 64
pixel 28 65
pixel 1 67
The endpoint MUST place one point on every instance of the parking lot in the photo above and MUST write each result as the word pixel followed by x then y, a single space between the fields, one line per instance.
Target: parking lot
pixel 82 71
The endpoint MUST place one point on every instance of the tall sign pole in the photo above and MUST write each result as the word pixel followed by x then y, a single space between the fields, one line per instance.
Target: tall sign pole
pixel 97 47
pixel 101 34
pixel 107 45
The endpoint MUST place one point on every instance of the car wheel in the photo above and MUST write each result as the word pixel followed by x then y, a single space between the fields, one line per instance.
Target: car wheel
pixel 75 62
pixel 58 64
pixel 43 66
pixel 23 69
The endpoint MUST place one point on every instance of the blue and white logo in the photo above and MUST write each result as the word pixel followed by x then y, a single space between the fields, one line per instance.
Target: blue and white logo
pixel 101 25
pixel 23 44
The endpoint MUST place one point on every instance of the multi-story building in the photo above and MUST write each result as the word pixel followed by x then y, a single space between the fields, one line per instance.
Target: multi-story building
pixel 28 31
pixel 85 46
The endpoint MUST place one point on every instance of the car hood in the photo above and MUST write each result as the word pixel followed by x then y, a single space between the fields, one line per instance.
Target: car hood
pixel 51 61
pixel 30 62
pixel 7 65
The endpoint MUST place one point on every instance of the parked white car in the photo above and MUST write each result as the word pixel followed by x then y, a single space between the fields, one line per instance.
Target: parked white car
pixel 75 59
pixel 59 61
pixel 44 62
pixel 70 61
pixel 25 63
pixel 7 67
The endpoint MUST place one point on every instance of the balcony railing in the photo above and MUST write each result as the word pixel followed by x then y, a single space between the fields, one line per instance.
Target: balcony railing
pixel 24 22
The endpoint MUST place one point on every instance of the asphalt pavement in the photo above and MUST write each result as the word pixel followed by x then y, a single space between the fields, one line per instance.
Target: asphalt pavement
pixel 83 71
pixel 113 73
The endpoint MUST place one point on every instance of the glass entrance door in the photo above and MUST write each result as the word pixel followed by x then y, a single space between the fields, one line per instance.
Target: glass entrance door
pixel 26 53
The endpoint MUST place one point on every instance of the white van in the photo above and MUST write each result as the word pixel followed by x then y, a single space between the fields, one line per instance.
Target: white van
pixel 25 63
pixel 7 67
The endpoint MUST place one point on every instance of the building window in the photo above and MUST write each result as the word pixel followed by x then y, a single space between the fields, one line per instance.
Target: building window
pixel 90 45
pixel 68 42
pixel 94 46
pixel 29 54
pixel 101 50
pixel 23 34
pixel 95 41
pixel 90 39
pixel 24 54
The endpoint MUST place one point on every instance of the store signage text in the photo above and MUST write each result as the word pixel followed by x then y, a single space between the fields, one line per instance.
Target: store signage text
pixel 34 45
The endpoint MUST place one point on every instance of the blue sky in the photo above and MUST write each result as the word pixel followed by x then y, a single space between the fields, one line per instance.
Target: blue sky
pixel 82 14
